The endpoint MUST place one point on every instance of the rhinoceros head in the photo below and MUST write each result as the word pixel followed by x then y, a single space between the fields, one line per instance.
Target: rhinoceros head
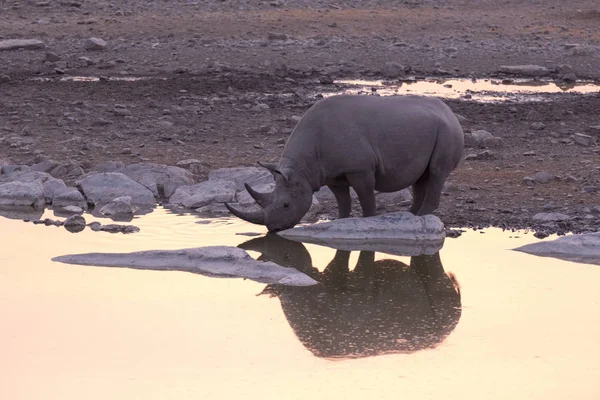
pixel 285 206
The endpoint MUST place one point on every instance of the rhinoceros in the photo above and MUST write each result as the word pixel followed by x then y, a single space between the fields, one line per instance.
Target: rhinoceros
pixel 365 142
pixel 379 307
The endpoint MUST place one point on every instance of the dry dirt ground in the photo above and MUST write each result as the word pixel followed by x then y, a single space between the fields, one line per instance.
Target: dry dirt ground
pixel 228 78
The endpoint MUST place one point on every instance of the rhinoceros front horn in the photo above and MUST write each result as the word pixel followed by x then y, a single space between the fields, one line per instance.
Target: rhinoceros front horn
pixel 262 199
pixel 254 217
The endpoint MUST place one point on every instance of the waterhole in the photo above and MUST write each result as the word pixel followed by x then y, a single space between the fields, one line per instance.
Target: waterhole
pixel 475 320
pixel 482 90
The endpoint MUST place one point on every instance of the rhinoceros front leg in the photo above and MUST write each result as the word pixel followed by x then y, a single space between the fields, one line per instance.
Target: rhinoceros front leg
pixel 342 196
pixel 364 186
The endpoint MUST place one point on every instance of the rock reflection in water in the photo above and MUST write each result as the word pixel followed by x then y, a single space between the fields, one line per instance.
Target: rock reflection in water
pixel 380 307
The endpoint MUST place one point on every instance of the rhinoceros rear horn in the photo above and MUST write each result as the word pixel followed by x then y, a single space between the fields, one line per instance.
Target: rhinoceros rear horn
pixel 254 217
pixel 262 199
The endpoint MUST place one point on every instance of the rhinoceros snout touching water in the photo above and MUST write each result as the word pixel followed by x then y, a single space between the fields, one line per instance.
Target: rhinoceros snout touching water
pixel 365 142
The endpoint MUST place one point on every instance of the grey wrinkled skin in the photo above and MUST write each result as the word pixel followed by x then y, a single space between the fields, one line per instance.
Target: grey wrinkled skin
pixel 368 143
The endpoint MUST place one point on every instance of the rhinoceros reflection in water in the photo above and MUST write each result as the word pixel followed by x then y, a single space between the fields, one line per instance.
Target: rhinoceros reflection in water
pixel 380 307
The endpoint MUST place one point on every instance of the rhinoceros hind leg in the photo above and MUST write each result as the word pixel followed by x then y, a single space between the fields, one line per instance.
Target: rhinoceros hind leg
pixel 364 186
pixel 433 192
pixel 419 190
pixel 342 196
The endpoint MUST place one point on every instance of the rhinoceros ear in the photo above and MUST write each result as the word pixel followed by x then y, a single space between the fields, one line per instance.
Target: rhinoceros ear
pixel 272 167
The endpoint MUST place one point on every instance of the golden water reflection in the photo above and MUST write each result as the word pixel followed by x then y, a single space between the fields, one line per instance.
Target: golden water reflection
pixel 481 90
pixel 528 329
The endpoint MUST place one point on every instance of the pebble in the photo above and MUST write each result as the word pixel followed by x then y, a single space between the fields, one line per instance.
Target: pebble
pixel 113 228
pixel 540 177
pixel 94 44
pixel 583 140
pixel 276 36
pixel 75 223
pixel 537 126
pixel 484 155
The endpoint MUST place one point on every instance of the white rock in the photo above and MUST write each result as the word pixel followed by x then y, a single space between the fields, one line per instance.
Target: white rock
pixel 398 233
pixel 101 188
pixel 583 248
pixel 69 197
pixel 222 261
pixel 22 194
pixel 204 193
pixel 250 175
pixel 94 44
pixel 16 44
pixel 52 187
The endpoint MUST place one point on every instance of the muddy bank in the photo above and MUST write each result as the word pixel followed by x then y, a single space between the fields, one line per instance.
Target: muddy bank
pixel 229 94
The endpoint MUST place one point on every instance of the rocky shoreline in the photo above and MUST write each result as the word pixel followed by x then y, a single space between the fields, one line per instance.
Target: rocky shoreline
pixel 118 192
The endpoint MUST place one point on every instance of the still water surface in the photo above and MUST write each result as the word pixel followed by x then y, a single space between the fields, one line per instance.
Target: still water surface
pixel 482 90
pixel 523 327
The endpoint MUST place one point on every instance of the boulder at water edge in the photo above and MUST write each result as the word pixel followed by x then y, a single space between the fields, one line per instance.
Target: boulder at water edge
pixel 119 209
pixel 583 248
pixel 399 233
pixel 102 188
pixel 22 194
pixel 162 180
pixel 204 193
pixel 69 197
pixel 53 187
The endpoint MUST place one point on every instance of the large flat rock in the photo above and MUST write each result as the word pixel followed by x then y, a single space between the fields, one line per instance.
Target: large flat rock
pixel 216 261
pixel 16 44
pixel 399 233
pixel 583 248
pixel 102 188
